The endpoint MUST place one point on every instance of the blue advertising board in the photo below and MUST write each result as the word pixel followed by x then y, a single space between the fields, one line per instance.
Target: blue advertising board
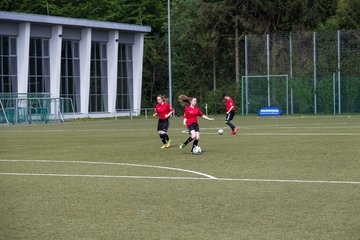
pixel 270 111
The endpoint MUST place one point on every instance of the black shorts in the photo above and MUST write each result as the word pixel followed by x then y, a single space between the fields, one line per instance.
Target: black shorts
pixel 230 116
pixel 163 125
pixel 193 126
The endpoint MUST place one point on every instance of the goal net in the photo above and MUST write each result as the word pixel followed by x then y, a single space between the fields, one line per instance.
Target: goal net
pixel 260 91
pixel 15 109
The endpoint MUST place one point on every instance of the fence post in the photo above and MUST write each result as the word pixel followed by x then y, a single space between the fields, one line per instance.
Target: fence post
pixel 339 73
pixel 268 66
pixel 242 95
pixel 315 104
pixel 334 94
pixel 291 76
pixel 287 94
pixel 246 76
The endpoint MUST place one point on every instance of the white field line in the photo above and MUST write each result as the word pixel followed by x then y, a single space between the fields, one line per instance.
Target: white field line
pixel 92 130
pixel 312 117
pixel 113 163
pixel 186 131
pixel 285 134
pixel 309 125
pixel 76 130
pixel 181 178
pixel 300 134
pixel 208 177
pixel 100 176
pixel 287 181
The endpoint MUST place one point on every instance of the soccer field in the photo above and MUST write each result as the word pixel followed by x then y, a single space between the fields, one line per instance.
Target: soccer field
pixel 278 178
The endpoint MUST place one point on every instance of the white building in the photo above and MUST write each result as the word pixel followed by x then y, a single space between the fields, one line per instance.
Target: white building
pixel 98 65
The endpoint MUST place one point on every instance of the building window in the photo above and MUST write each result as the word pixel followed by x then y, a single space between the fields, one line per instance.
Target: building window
pixel 39 66
pixel 8 65
pixel 124 95
pixel 98 78
pixel 70 75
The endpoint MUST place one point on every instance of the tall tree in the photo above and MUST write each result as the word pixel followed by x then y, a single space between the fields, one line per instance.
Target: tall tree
pixel 348 14
pixel 206 34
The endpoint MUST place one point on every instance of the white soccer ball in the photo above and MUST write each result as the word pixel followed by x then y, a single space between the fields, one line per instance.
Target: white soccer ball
pixel 197 150
pixel 221 131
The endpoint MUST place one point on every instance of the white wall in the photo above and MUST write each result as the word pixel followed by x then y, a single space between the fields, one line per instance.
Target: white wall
pixel 23 45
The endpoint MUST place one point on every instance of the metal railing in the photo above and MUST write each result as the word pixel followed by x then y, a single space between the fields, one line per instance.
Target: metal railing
pixel 136 112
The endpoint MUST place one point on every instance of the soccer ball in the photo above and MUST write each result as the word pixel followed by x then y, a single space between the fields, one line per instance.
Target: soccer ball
pixel 221 131
pixel 197 150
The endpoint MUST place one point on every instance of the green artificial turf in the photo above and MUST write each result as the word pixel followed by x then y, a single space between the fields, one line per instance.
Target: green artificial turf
pixel 130 197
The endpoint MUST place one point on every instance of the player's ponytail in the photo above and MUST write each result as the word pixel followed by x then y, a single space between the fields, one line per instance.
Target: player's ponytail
pixel 184 100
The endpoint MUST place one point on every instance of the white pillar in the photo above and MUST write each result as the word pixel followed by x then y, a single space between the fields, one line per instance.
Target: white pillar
pixel 23 51
pixel 138 52
pixel 85 57
pixel 55 60
pixel 112 58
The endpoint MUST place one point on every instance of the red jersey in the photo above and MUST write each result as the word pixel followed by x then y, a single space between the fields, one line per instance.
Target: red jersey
pixel 229 104
pixel 191 115
pixel 163 109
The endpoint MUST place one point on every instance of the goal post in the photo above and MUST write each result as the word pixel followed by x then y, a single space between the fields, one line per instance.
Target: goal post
pixel 3 115
pixel 17 109
pixel 258 91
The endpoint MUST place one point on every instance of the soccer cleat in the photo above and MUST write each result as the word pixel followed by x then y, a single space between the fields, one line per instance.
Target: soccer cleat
pixel 168 144
pixel 182 146
pixel 163 146
pixel 234 131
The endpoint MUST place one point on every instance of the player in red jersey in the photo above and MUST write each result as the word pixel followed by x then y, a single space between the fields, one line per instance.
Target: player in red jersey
pixel 230 113
pixel 190 120
pixel 163 110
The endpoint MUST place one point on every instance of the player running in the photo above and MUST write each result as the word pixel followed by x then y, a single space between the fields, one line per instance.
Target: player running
pixel 230 113
pixel 190 120
pixel 163 110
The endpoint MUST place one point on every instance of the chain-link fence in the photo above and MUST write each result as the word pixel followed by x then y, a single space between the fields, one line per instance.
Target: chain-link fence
pixel 305 72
